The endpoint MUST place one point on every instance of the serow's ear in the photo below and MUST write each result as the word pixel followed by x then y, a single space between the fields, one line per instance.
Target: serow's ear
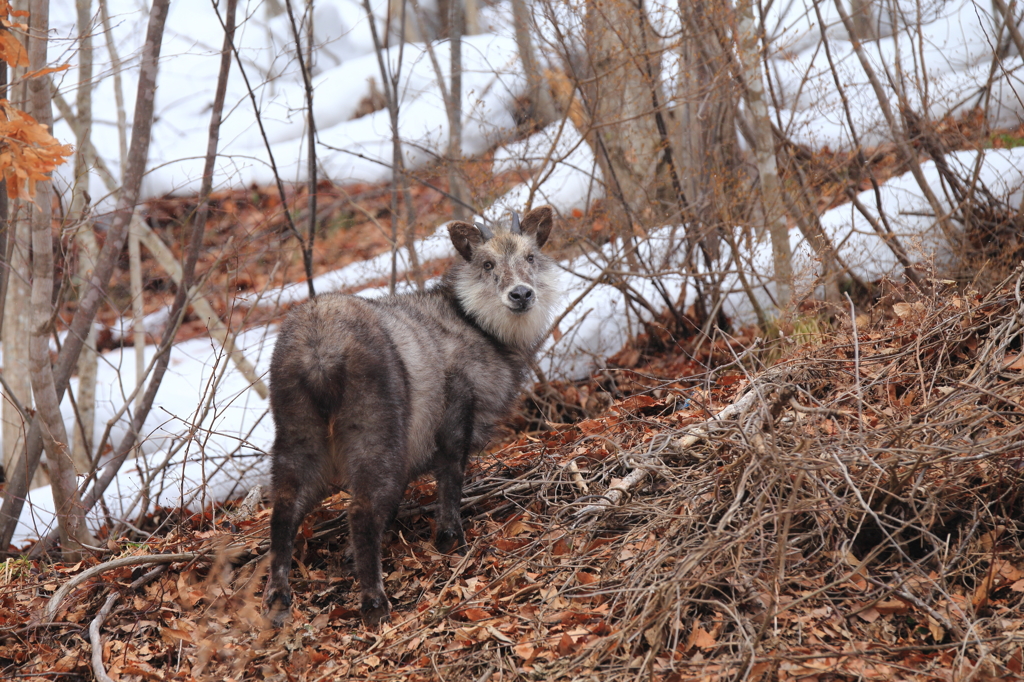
pixel 538 222
pixel 465 238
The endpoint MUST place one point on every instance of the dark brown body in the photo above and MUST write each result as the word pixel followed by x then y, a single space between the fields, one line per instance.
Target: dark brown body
pixel 369 394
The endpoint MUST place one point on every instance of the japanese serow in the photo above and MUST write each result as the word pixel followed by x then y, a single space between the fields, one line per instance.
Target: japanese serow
pixel 368 394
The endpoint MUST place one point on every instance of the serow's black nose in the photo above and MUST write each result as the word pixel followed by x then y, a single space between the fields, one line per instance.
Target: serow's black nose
pixel 521 297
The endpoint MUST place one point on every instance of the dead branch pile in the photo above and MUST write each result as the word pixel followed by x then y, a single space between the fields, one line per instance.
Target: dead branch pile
pixel 854 512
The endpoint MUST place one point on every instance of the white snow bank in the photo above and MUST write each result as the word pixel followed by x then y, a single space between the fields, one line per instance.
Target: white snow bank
pixel 910 216
pixel 344 66
pixel 356 275
pixel 600 324
pixel 940 66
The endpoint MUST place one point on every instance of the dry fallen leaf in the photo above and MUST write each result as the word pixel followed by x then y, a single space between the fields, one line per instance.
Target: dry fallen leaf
pixel 1014 361
pixel 525 651
pixel 869 615
pixel 474 614
pixel 903 310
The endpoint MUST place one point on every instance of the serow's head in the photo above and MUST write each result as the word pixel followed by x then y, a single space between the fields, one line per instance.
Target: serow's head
pixel 505 281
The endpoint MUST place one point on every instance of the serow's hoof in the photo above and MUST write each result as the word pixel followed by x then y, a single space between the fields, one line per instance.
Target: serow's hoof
pixel 376 610
pixel 449 541
pixel 278 605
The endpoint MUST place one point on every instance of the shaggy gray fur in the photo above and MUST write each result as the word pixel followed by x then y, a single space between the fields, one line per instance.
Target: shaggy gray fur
pixel 369 394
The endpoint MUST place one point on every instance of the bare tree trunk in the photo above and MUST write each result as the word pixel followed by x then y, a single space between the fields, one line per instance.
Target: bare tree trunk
pixel 706 110
pixel 472 25
pixel 456 186
pixel 138 307
pixel 747 39
pixel 712 171
pixel 122 118
pixel 4 229
pixel 693 155
pixel 453 108
pixel 85 240
pixel 70 514
pixel 17 319
pixel 17 315
pixel 617 93
pixel 863 20
pixel 396 148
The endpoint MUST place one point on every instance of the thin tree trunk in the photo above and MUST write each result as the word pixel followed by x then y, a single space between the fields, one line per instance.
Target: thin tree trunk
pixel 4 225
pixel 472 25
pixel 402 179
pixel 17 315
pixel 16 332
pixel 4 213
pixel 85 240
pixel 115 65
pixel 707 152
pixel 863 20
pixel 460 205
pixel 70 514
pixel 764 152
pixel 95 292
pixel 305 66
pixel 454 109
pixel 138 305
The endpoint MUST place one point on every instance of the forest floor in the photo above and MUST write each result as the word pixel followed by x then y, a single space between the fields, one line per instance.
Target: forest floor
pixel 855 513
pixel 859 516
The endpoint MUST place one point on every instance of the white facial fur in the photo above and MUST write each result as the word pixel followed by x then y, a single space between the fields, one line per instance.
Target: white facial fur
pixel 484 293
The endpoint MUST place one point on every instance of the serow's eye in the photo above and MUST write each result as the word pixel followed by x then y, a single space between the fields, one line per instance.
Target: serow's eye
pixel 488 265
pixel 529 259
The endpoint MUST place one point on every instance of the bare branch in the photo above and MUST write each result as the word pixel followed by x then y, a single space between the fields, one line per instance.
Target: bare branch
pixel 53 605
pixel 307 82
pixel 96 640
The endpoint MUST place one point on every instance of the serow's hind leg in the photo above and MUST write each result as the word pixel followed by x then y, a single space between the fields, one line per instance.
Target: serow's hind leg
pixel 294 495
pixel 449 536
pixel 373 507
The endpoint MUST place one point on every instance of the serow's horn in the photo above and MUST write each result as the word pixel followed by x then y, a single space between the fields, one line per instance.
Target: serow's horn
pixel 484 231
pixel 516 228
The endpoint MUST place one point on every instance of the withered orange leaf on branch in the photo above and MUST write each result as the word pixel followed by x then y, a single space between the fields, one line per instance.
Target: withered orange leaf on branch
pixel 28 152
pixel 11 50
